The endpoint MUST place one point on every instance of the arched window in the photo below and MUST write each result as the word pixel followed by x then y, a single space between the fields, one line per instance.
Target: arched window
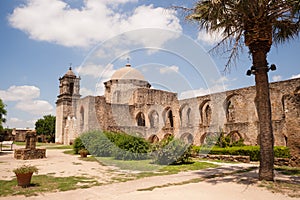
pixel 188 116
pixel 71 88
pixel 207 115
pixel 170 118
pixel 153 139
pixel 187 138
pixel 140 119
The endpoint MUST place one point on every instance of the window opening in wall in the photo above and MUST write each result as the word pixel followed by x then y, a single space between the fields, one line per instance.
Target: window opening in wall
pixel 140 119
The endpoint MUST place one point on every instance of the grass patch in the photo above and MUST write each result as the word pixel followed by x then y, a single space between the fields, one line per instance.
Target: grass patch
pixel 89 159
pixel 24 143
pixel 283 187
pixel 288 170
pixel 69 152
pixel 133 165
pixel 59 146
pixel 46 183
pixel 147 167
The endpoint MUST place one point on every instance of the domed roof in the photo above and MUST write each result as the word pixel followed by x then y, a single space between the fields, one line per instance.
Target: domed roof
pixel 128 73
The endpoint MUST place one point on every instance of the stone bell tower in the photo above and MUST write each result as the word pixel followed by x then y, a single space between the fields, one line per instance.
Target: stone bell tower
pixel 69 86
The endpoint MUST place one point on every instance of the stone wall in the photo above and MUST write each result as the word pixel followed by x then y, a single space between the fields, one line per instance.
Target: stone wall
pixel 26 154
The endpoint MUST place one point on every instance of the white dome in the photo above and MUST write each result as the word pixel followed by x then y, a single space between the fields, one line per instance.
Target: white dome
pixel 128 73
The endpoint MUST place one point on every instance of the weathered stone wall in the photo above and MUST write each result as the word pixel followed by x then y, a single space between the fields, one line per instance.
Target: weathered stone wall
pixel 131 106
pixel 26 154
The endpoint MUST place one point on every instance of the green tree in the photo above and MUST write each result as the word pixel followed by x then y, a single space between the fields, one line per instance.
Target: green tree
pixel 258 24
pixel 2 114
pixel 46 126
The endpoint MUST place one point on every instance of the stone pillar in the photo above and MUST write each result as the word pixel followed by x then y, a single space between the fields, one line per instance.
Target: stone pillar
pixel 30 140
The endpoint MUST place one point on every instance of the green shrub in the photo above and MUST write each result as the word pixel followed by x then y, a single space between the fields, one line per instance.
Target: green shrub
pixel 97 143
pixel 172 151
pixel 252 151
pixel 77 145
pixel 118 145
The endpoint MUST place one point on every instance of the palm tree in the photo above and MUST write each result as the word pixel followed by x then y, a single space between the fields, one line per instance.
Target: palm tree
pixel 257 24
pixel 2 114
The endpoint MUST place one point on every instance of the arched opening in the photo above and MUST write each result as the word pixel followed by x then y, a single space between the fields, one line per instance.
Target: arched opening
pixel 140 119
pixel 209 138
pixel 153 139
pixel 170 118
pixel 188 116
pixel 166 136
pixel 234 137
pixel 154 119
pixel 81 118
pixel 71 88
pixel 207 115
pixel 187 138
pixel 185 115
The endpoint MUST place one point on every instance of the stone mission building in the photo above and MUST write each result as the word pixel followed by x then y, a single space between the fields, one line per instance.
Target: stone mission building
pixel 130 105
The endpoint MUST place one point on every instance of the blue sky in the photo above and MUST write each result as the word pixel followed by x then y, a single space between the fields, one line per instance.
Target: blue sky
pixel 40 38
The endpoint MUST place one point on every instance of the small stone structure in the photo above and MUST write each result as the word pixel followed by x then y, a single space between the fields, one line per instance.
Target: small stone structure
pixel 30 151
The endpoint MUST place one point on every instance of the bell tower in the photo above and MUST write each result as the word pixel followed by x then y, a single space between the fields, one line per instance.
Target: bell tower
pixel 69 86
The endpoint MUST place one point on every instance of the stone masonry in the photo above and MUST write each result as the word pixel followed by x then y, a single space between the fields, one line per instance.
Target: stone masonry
pixel 130 105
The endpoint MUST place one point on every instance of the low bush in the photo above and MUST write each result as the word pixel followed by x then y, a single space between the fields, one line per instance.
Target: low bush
pixel 172 151
pixel 77 145
pixel 118 145
pixel 252 151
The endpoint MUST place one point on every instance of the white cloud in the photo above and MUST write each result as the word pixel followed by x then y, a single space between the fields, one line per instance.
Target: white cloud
pixel 202 91
pixel 86 92
pixel 277 78
pixel 55 21
pixel 19 93
pixel 36 107
pixel 19 123
pixel 209 38
pixel 295 76
pixel 169 69
pixel 96 71
pixel 218 85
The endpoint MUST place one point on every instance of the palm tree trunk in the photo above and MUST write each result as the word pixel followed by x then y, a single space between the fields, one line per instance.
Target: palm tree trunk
pixel 263 107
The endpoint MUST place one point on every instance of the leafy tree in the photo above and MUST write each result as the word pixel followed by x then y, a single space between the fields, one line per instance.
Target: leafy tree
pixel 2 114
pixel 46 126
pixel 257 24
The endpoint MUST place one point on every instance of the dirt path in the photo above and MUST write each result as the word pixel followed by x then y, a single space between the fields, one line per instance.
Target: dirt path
pixel 238 186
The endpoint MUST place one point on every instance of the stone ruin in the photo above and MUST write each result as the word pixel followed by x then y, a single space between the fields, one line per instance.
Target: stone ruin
pixel 30 151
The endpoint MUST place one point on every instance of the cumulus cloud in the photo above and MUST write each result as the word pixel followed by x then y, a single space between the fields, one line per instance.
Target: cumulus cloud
pixel 277 78
pixel 218 85
pixel 169 69
pixel 295 76
pixel 96 71
pixel 55 21
pixel 202 91
pixel 36 107
pixel 16 122
pixel 86 92
pixel 209 38
pixel 19 93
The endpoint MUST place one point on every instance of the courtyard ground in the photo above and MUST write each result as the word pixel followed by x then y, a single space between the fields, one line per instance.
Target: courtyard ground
pixel 223 182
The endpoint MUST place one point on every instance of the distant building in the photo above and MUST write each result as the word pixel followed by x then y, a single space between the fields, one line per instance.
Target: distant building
pixel 19 134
